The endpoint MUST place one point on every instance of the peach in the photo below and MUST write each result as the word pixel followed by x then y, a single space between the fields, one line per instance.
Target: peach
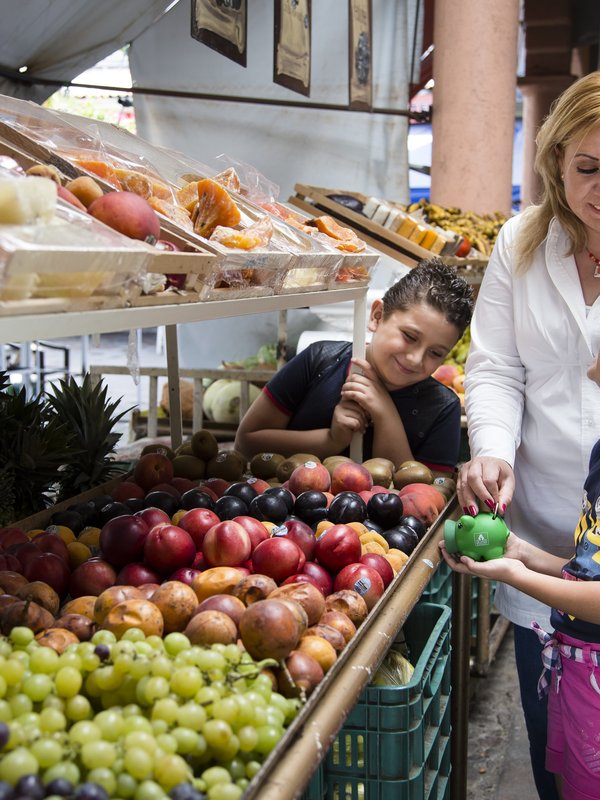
pixel 127 213
pixel 351 477
pixel 310 476
pixel 446 373
pixel 85 189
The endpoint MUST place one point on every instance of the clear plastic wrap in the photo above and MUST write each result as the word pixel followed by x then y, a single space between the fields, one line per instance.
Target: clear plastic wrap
pixel 71 257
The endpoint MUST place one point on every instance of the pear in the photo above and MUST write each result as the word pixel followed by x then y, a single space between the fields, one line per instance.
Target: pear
pixel 411 472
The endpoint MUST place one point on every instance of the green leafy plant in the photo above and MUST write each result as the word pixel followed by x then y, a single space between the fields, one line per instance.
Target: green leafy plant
pixel 90 417
pixel 33 444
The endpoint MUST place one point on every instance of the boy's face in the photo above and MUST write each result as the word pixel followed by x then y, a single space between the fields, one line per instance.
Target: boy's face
pixel 409 345
pixel 593 372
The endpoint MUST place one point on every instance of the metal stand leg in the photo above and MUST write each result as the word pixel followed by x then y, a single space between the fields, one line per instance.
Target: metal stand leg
pixel 461 647
pixel 174 393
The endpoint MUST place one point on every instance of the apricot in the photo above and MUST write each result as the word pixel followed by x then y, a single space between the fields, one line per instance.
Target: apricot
pixel 340 621
pixel 350 603
pixel 254 587
pixel 134 613
pixel 320 649
pixel 331 634
pixel 127 213
pixel 269 629
pixel 80 605
pixel 43 594
pixel 211 627
pixel 57 638
pixel 85 189
pixel 111 597
pixel 307 595
pixel 216 580
pixel 176 602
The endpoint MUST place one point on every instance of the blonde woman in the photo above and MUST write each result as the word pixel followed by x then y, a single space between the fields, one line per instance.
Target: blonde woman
pixel 533 416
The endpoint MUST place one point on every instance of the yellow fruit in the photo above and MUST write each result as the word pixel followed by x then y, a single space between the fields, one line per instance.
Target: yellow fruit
pixel 66 534
pixel 176 518
pixel 322 527
pixel 372 536
pixel 358 527
pixel 372 547
pixel 35 532
pixel 78 553
pixel 90 537
pixel 396 558
pixel 268 525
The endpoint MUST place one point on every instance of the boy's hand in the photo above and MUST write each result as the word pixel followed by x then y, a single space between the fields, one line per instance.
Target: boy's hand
pixel 499 569
pixel 348 418
pixel 367 390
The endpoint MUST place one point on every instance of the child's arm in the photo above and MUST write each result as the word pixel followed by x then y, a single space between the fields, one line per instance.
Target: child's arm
pixel 389 436
pixel 263 429
pixel 537 573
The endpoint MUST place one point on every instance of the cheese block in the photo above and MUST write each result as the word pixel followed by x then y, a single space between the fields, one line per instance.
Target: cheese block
pixel 381 215
pixel 395 219
pixel 418 234
pixel 407 227
pixel 26 200
pixel 429 239
pixel 371 206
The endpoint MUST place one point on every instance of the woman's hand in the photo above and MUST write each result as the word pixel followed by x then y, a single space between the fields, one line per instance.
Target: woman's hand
pixel 492 480
pixel 348 418
pixel 367 390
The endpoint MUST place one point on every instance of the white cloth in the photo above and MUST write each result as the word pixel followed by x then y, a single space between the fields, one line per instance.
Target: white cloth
pixel 528 399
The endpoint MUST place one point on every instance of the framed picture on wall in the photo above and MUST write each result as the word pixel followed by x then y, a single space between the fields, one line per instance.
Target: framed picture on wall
pixel 221 25
pixel 359 50
pixel 291 56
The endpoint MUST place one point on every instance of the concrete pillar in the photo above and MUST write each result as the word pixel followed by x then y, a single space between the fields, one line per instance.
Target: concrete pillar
pixel 538 92
pixel 474 69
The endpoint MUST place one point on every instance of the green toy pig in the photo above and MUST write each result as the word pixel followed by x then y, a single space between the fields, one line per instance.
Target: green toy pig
pixel 481 538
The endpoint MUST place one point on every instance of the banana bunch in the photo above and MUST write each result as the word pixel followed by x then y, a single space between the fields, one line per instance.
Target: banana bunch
pixel 480 229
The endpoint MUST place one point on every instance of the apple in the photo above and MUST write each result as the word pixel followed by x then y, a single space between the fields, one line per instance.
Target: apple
pixel 309 476
pixel 337 547
pixel 363 579
pixel 376 488
pixel 91 578
pixel 51 543
pixel 183 485
pixel 136 574
pixel 10 536
pixel 167 548
pixel 381 564
pixel 126 491
pixel 185 575
pixel 446 373
pixel 152 469
pixel 278 557
pixel 128 213
pixel 350 477
pixel 197 522
pixel 153 516
pixel 199 562
pixel 366 495
pixel 226 545
pixel 24 552
pixel 122 539
pixel 10 563
pixel 320 575
pixel 303 577
pixel 255 529
pixel 50 569
pixel 300 533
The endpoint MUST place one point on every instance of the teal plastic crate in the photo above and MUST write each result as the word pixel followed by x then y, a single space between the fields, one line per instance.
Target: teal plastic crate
pixel 439 588
pixel 398 734
pixel 423 784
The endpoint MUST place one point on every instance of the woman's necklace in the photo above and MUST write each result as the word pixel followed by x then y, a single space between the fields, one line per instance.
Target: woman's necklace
pixel 596 262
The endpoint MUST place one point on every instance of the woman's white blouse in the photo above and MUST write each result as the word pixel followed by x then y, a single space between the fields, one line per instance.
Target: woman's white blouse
pixel 528 399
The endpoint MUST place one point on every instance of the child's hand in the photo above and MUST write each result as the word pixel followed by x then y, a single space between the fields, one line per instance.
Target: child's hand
pixel 368 391
pixel 500 569
pixel 348 418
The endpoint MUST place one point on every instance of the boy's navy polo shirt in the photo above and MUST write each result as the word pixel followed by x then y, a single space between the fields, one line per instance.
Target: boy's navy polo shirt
pixel 309 387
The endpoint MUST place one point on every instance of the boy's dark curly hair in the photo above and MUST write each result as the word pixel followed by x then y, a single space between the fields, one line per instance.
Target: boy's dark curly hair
pixel 436 284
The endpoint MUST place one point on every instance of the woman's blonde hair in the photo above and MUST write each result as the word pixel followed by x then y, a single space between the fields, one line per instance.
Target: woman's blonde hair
pixel 572 116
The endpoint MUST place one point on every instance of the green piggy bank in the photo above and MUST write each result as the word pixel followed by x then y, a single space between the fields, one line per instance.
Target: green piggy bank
pixel 481 538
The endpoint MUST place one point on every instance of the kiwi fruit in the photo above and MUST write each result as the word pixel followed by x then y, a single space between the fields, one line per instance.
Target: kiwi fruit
pixel 227 464
pixel 447 486
pixel 331 462
pixel 265 465
pixel 163 449
pixel 204 445
pixel 381 470
pixel 411 472
pixel 187 466
pixel 286 467
pixel 184 449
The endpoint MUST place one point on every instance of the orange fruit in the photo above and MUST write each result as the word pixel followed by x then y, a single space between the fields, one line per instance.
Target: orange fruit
pixel 66 534
pixel 320 649
pixel 90 537
pixel 78 553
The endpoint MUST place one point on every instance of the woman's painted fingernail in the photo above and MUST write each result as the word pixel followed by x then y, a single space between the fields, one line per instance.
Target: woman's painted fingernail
pixel 490 504
pixel 466 510
pixel 503 508
pixel 473 511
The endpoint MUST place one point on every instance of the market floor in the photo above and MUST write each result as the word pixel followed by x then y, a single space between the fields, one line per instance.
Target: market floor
pixel 498 761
